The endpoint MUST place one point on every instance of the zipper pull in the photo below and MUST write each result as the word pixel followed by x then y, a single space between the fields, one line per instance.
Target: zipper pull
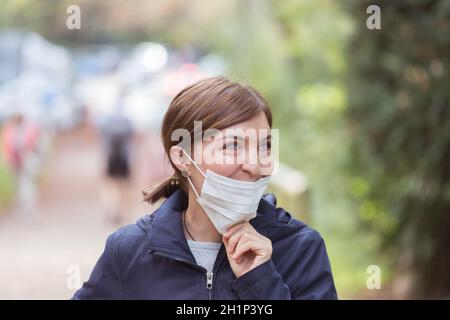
pixel 209 280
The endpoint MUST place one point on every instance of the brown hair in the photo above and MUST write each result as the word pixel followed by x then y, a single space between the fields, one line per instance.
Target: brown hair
pixel 219 103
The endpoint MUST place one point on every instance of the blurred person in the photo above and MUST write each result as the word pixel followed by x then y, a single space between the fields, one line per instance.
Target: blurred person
pixel 116 132
pixel 20 142
pixel 216 236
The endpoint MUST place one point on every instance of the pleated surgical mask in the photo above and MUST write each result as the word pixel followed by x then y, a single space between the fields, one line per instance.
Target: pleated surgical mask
pixel 228 201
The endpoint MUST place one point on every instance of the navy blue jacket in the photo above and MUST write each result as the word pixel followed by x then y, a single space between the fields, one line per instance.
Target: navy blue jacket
pixel 152 260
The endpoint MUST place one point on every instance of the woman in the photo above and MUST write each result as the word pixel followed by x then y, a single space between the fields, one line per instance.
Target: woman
pixel 215 236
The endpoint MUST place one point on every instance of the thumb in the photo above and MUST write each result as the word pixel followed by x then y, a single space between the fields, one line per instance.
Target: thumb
pixel 230 259
pixel 225 242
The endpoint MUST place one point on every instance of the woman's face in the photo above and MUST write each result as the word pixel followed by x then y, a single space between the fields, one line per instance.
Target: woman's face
pixel 240 152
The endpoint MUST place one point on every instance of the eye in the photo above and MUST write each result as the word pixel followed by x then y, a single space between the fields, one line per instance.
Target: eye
pixel 265 146
pixel 233 146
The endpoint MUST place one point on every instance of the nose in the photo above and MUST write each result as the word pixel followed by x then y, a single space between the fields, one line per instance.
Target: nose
pixel 252 170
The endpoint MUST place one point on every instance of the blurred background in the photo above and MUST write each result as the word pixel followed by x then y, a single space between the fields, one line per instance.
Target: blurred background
pixel 363 115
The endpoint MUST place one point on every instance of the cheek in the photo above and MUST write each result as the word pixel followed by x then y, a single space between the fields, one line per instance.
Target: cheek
pixel 226 170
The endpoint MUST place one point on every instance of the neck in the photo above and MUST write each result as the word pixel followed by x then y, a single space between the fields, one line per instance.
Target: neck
pixel 199 224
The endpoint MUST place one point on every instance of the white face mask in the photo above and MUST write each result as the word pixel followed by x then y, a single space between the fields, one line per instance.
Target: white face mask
pixel 228 201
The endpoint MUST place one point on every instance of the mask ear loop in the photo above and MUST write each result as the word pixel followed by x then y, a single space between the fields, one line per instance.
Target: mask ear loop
pixel 192 186
pixel 189 179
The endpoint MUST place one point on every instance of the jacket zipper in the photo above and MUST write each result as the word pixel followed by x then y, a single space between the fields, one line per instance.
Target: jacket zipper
pixel 209 283
pixel 210 275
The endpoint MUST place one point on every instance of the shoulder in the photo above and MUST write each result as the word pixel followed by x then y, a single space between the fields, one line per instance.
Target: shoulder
pixel 279 225
pixel 297 244
pixel 129 240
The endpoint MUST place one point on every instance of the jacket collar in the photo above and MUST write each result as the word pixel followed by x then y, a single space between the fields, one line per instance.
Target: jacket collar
pixel 167 233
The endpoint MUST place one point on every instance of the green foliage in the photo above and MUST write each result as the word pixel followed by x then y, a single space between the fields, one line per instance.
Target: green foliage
pixel 399 113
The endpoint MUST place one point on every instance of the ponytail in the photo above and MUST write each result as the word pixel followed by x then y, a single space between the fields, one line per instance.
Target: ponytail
pixel 164 189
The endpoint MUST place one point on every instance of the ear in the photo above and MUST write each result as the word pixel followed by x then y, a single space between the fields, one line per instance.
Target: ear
pixel 178 158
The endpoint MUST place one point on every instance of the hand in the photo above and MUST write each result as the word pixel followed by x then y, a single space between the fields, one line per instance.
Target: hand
pixel 246 248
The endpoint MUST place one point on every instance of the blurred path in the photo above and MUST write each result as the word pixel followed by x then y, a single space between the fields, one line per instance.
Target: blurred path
pixel 70 229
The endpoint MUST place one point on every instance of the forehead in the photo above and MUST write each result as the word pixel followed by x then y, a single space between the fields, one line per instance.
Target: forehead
pixel 255 128
pixel 257 122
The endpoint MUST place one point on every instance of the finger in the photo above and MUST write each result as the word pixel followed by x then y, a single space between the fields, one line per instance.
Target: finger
pixel 245 238
pixel 236 236
pixel 234 240
pixel 234 228
pixel 250 245
pixel 241 236
pixel 238 226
